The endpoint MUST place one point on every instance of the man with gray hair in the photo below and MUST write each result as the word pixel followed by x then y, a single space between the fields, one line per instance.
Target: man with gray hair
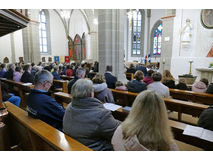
pixel 157 86
pixel 41 105
pixel 86 119
pixel 80 73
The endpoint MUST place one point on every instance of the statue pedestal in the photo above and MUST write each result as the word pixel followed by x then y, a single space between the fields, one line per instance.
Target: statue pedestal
pixel 206 73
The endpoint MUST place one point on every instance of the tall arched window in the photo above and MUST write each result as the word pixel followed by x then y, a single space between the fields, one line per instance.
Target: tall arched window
pixel 43 32
pixel 137 32
pixel 156 39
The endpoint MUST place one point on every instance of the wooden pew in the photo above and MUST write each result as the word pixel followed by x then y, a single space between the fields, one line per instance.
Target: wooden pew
pixel 177 129
pixel 129 76
pixel 122 114
pixel 203 98
pixel 34 134
pixel 62 84
pixel 126 98
pixel 62 98
pixel 64 77
pixel 22 89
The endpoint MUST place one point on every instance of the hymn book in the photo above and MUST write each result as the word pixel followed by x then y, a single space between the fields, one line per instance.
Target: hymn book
pixel 199 132
pixel 111 106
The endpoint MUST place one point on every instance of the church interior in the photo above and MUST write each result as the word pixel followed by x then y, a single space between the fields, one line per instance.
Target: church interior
pixel 120 41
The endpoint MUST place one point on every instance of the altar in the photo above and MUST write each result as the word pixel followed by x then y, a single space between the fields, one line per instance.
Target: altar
pixel 206 73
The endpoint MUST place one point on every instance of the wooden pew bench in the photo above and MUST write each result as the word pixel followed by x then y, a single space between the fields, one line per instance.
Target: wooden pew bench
pixel 22 89
pixel 62 84
pixel 34 134
pixel 203 98
pixel 62 98
pixel 126 98
pixel 129 76
pixel 177 129
pixel 64 77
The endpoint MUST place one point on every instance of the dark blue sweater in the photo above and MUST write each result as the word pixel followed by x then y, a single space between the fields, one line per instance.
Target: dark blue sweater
pixel 45 108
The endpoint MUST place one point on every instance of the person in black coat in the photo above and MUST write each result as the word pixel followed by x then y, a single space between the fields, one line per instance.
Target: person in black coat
pixel 210 88
pixel 110 79
pixel 142 68
pixel 80 73
pixel 131 69
pixel 206 119
pixel 137 85
pixel 27 76
pixel 181 85
pixel 9 73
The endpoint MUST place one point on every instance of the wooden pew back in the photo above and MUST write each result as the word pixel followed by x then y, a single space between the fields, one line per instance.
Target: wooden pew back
pixel 34 134
pixel 21 87
pixel 126 98
pixel 62 84
pixel 203 98
pixel 129 76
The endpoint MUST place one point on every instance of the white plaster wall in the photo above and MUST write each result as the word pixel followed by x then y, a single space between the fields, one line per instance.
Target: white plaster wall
pixel 59 42
pixel 18 41
pixel 202 40
pixel 5 47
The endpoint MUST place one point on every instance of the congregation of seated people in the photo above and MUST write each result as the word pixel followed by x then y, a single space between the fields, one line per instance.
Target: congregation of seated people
pixel 85 118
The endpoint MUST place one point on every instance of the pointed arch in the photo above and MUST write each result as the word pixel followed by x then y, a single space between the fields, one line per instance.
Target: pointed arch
pixel 156 34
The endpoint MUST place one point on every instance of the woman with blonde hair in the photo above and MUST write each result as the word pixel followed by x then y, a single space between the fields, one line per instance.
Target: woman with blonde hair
pixel 146 127
pixel 167 79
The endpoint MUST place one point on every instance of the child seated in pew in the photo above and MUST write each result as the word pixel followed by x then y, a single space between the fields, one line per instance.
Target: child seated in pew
pixel 9 96
pixel 146 127
pixel 119 86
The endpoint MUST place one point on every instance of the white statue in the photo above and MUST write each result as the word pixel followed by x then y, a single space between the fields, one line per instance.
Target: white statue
pixel 186 32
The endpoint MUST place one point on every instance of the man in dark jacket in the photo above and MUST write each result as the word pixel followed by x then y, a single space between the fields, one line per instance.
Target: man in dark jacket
pixel 86 119
pixel 80 73
pixel 27 76
pixel 142 68
pixel 55 74
pixel 110 79
pixel 206 119
pixel 41 105
pixel 9 73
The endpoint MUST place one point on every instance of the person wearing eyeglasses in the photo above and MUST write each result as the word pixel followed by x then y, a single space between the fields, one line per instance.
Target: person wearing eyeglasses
pixel 41 105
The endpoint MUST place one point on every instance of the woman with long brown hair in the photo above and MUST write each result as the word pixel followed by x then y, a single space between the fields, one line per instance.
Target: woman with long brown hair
pixel 146 127
pixel 167 79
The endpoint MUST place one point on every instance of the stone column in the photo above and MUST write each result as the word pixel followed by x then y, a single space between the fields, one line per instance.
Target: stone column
pixel 31 39
pixel 167 40
pixel 111 41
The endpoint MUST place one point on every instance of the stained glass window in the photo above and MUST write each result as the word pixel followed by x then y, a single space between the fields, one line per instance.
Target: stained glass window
pixel 43 33
pixel 157 35
pixel 136 32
